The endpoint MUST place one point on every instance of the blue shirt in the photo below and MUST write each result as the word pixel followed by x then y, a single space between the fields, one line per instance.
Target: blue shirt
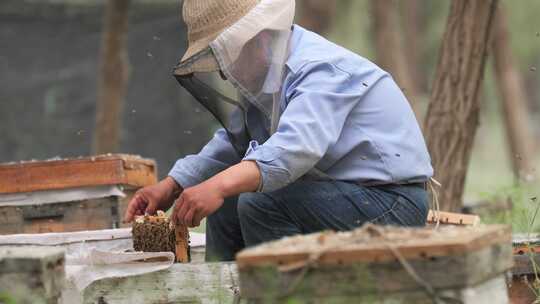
pixel 341 115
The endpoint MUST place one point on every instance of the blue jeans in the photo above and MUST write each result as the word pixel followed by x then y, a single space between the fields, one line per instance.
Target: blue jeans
pixel 306 207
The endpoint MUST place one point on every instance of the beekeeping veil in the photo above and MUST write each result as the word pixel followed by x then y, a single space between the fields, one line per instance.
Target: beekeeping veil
pixel 247 41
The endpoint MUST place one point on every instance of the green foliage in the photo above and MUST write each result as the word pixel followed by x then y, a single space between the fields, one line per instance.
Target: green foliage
pixel 351 27
pixel 5 298
pixel 524 216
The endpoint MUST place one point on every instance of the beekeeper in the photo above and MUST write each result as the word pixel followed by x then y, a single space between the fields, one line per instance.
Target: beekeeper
pixel 318 138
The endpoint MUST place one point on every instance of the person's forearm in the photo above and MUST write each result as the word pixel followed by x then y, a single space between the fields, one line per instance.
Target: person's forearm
pixel 240 178
pixel 173 185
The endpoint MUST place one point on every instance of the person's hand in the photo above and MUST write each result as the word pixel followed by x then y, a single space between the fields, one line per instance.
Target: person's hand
pixel 150 199
pixel 196 203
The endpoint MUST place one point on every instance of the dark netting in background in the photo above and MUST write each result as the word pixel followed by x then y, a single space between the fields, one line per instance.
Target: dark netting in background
pixel 48 68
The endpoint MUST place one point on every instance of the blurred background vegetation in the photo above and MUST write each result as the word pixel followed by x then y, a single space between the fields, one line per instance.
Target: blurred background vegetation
pixel 49 70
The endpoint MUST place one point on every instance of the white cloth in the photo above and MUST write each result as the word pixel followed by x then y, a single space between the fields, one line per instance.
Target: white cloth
pixel 94 265
pixel 59 196
pixel 100 254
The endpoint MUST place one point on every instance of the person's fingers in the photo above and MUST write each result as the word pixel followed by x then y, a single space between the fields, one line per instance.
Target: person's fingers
pixel 176 208
pixel 150 207
pixel 133 208
pixel 198 218
pixel 188 218
pixel 183 209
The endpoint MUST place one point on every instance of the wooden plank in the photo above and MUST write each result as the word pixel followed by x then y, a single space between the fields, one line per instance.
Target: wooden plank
pixel 376 278
pixel 182 283
pixel 83 215
pixel 31 274
pixel 449 218
pixel 80 172
pixel 526 254
pixel 182 244
pixel 492 291
pixel 525 264
pixel 443 242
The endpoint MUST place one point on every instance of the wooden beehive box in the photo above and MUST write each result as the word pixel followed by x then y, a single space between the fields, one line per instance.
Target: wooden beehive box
pixel 524 285
pixel 158 234
pixel 381 265
pixel 31 274
pixel 41 178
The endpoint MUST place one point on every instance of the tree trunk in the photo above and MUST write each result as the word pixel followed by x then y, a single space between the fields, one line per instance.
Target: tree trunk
pixel 413 28
pixel 453 113
pixel 514 100
pixel 317 15
pixel 112 81
pixel 390 51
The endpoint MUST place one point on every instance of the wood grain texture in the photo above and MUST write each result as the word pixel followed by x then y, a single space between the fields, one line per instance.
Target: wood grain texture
pixel 524 265
pixel 32 274
pixel 377 278
pixel 182 252
pixel 182 283
pixel 450 218
pixel 470 239
pixel 74 173
pixel 490 292
pixel 526 251
pixel 94 214
pixel 454 110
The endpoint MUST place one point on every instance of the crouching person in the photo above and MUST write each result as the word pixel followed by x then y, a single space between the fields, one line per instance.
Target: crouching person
pixel 319 138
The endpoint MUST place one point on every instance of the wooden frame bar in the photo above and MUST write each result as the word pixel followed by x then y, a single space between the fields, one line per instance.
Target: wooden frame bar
pixel 80 172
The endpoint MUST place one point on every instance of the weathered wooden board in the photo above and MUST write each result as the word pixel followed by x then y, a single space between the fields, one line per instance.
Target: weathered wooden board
pixel 450 218
pixel 31 274
pixel 490 292
pixel 208 283
pixel 344 248
pixel 92 214
pixel 450 272
pixel 182 283
pixel 374 262
pixel 526 261
pixel 73 173
pixel 526 254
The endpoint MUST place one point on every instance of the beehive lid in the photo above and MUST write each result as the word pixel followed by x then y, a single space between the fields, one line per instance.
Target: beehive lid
pixel 374 244
pixel 56 174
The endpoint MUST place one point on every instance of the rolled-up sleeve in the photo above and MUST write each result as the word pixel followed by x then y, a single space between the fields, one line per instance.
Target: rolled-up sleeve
pixel 319 100
pixel 215 157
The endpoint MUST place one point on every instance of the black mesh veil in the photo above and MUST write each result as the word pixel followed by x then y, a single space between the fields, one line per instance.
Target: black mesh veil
pixel 233 122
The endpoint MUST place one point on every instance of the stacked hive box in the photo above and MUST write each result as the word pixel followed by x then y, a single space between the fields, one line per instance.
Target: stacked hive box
pixel 381 265
pixel 524 284
pixel 31 274
pixel 22 183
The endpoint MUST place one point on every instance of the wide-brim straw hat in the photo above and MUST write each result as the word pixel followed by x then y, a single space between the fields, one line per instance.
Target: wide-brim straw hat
pixel 205 21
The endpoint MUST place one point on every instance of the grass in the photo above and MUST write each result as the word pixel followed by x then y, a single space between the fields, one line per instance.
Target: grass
pixel 490 176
